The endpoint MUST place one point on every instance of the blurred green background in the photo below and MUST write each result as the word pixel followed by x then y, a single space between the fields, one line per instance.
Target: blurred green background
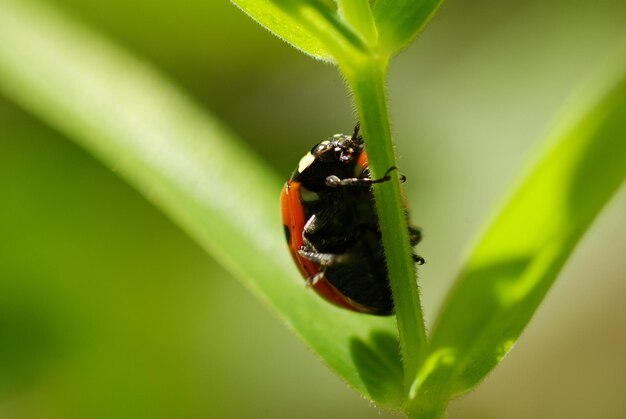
pixel 107 310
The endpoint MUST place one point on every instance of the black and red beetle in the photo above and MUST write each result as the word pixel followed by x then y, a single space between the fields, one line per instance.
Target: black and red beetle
pixel 332 227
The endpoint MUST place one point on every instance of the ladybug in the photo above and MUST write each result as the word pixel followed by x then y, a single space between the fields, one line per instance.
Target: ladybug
pixel 332 229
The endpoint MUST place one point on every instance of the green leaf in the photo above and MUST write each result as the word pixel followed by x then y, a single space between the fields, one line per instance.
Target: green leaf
pixel 284 25
pixel 359 16
pixel 312 26
pixel 194 169
pixel 399 21
pixel 521 254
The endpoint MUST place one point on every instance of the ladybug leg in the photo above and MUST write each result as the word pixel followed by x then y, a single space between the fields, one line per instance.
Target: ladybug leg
pixel 311 281
pixel 308 251
pixel 418 259
pixel 334 181
pixel 319 220
pixel 415 235
pixel 323 259
pixel 311 226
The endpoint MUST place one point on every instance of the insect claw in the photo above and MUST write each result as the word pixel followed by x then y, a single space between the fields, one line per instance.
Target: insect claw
pixel 419 260
pixel 311 282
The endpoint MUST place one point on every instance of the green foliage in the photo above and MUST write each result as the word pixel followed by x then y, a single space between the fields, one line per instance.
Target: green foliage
pixel 281 23
pixel 361 41
pixel 196 171
pixel 399 21
pixel 519 257
pixel 191 167
pixel 358 14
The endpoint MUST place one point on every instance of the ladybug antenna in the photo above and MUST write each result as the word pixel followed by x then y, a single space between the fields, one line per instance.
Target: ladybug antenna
pixel 355 134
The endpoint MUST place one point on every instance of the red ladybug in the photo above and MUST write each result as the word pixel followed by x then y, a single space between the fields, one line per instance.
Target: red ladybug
pixel 332 228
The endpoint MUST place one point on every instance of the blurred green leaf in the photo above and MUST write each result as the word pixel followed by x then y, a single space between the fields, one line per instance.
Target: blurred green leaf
pixel 190 166
pixel 399 21
pixel 523 251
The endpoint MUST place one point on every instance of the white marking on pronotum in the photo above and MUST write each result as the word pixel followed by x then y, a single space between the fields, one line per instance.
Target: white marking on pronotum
pixel 305 162
pixel 307 195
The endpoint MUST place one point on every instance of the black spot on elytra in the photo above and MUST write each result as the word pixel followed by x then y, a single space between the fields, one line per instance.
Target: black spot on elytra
pixel 287 233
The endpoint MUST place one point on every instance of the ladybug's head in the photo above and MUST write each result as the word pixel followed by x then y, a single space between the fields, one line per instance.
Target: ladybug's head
pixel 343 149
pixel 334 156
pixel 340 148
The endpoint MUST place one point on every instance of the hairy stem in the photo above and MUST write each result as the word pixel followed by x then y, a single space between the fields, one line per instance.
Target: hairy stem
pixel 367 81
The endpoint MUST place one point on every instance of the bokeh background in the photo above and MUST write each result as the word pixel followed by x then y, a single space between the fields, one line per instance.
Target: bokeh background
pixel 107 310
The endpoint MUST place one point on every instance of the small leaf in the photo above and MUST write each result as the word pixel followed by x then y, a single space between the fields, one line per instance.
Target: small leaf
pixel 270 15
pixel 399 21
pixel 194 169
pixel 312 26
pixel 520 256
pixel 358 15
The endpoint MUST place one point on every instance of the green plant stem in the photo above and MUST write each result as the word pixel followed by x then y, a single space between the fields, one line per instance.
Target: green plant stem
pixel 367 80
pixel 418 412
